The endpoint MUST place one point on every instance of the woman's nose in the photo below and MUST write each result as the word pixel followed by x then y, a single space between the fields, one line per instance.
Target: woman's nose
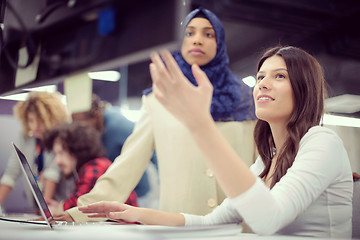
pixel 264 83
pixel 57 160
pixel 198 39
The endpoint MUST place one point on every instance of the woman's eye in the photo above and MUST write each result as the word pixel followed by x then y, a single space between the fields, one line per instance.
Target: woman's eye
pixel 259 78
pixel 209 35
pixel 188 34
pixel 280 76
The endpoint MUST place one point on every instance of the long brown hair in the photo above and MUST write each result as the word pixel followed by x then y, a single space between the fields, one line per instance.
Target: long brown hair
pixel 308 85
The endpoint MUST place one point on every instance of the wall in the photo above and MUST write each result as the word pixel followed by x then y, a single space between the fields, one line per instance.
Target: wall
pixel 351 140
pixel 9 132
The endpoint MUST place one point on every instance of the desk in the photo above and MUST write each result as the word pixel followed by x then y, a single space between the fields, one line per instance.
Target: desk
pixel 10 231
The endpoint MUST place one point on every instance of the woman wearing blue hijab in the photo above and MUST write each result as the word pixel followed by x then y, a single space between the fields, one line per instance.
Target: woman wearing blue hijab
pixel 186 183
pixel 232 99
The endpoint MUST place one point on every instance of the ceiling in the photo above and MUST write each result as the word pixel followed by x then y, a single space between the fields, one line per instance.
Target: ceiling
pixel 328 29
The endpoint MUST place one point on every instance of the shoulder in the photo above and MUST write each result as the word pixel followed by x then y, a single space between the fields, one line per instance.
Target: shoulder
pixel 321 143
pixel 257 167
pixel 321 136
pixel 96 164
pixel 99 162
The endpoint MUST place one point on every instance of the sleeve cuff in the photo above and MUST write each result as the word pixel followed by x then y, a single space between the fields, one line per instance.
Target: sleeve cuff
pixel 191 220
pixel 7 180
pixel 52 174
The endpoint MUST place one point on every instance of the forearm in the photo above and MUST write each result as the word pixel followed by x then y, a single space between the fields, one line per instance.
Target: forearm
pixel 49 189
pixel 156 217
pixel 4 192
pixel 232 173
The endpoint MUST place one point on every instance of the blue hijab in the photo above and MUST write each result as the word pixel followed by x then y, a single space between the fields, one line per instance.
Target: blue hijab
pixel 232 99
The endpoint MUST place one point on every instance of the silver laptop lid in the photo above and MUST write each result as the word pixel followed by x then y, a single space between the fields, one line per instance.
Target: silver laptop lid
pixel 39 198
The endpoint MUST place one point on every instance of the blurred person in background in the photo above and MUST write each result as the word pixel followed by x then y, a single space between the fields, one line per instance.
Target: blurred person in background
pixel 78 152
pixel 39 112
pixel 115 129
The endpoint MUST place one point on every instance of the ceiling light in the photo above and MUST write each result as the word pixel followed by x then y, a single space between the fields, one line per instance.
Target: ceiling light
pixel 250 81
pixel 111 76
pixel 47 88
pixel 16 97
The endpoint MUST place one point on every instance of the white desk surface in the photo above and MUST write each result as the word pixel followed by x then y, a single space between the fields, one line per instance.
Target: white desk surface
pixel 11 230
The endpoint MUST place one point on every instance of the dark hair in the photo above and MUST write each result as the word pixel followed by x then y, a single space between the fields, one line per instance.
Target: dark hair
pixel 79 139
pixel 95 112
pixel 308 85
pixel 96 105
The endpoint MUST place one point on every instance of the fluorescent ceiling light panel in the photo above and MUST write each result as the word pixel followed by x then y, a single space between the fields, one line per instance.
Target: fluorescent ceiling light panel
pixel 250 81
pixel 16 97
pixel 47 88
pixel 111 76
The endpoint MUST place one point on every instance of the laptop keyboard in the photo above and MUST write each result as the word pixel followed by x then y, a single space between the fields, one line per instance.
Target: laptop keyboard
pixel 69 223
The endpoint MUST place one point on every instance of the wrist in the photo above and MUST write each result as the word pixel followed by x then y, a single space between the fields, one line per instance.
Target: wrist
pixel 143 215
pixel 200 124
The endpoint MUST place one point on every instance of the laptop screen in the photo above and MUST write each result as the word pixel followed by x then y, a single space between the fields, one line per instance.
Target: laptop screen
pixel 33 185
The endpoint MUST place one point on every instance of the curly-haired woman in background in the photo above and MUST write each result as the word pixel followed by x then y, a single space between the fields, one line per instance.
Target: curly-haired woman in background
pixel 39 112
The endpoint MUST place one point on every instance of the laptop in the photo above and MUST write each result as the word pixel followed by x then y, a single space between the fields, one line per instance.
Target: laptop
pixel 39 198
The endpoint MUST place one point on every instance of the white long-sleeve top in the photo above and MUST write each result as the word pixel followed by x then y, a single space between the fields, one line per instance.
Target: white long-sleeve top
pixel 314 197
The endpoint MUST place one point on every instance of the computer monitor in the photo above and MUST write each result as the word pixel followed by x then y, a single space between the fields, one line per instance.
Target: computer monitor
pixel 58 38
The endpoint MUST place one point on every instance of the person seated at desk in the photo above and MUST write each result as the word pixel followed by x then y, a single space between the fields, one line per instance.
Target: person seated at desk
pixel 79 152
pixel 40 111
pixel 301 184
pixel 115 129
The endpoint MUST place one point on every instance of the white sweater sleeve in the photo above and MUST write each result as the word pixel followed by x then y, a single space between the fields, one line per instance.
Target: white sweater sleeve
pixel 222 214
pixel 320 160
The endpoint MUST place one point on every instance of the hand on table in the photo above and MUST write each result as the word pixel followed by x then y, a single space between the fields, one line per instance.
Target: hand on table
pixel 112 210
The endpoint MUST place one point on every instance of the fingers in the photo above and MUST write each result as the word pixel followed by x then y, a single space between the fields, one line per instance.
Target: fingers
pixel 167 76
pixel 169 72
pixel 171 64
pixel 160 69
pixel 200 76
pixel 101 207
pixel 158 86
pixel 98 215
